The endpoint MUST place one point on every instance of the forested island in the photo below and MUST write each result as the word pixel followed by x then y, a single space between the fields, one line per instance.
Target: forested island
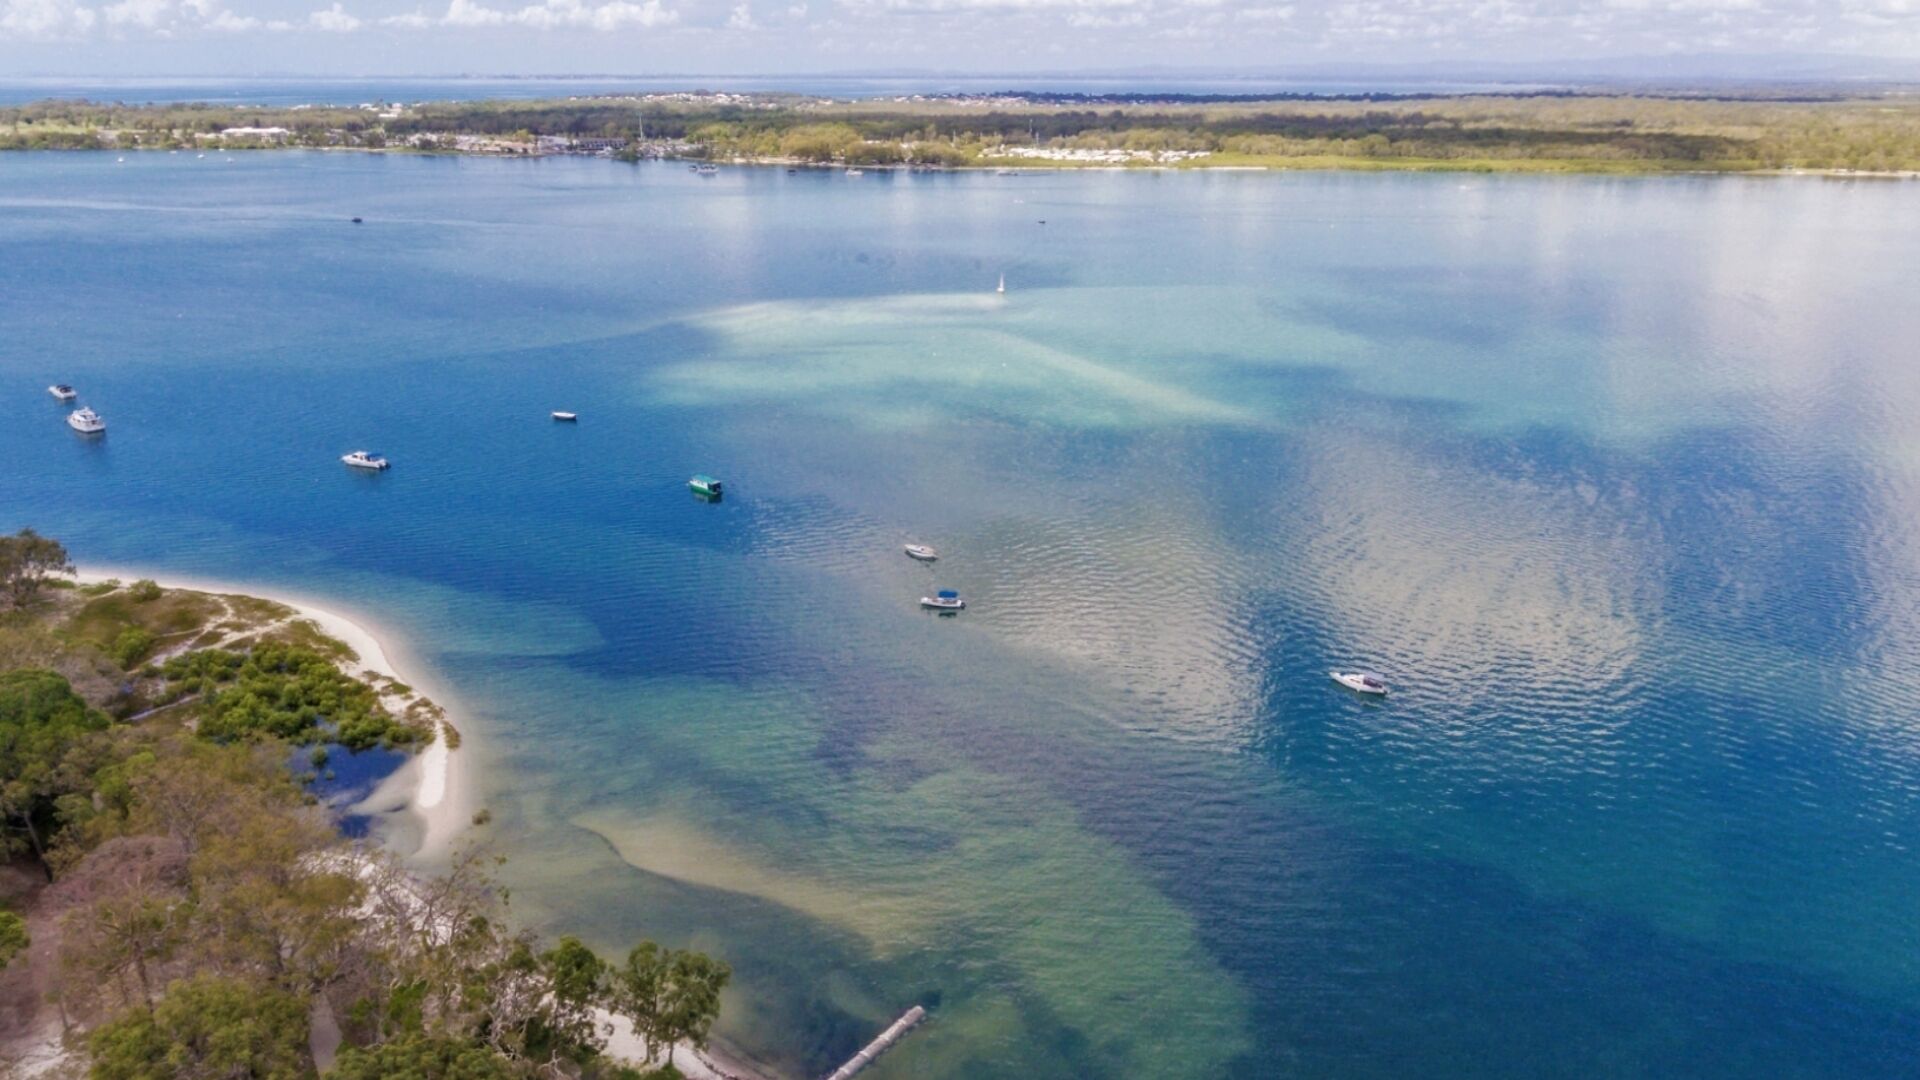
pixel 175 902
pixel 1853 131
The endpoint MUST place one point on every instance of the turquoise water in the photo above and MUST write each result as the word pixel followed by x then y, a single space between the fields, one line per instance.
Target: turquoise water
pixel 1615 479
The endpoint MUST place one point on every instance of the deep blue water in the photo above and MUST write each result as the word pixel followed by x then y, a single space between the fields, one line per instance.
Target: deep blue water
pixel 1615 479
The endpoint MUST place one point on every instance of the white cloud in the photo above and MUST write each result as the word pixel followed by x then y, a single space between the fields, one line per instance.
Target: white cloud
pixel 37 20
pixel 554 14
pixel 742 18
pixel 334 20
pixel 138 13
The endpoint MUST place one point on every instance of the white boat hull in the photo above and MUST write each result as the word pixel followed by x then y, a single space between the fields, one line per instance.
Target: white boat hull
pixel 934 603
pixel 1357 684
pixel 922 552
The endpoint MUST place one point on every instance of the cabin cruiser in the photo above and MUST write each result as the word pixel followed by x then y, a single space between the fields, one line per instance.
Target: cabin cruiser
pixel 86 421
pixel 558 415
pixel 1364 682
pixel 365 459
pixel 944 600
pixel 922 552
pixel 705 485
pixel 63 391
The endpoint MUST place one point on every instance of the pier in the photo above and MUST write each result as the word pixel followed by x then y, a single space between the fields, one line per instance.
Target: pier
pixel 879 1046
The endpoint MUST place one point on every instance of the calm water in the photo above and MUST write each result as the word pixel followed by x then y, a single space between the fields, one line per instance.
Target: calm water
pixel 1617 480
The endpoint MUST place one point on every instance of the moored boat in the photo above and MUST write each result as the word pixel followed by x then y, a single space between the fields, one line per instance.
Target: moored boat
pixel 1364 682
pixel 567 416
pixel 922 552
pixel 944 600
pixel 63 391
pixel 365 459
pixel 86 421
pixel 703 484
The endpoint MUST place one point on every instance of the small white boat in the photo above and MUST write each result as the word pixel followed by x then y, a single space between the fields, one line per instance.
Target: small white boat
pixel 86 421
pixel 922 552
pixel 856 172
pixel 944 600
pixel 63 391
pixel 365 459
pixel 1364 682
pixel 567 416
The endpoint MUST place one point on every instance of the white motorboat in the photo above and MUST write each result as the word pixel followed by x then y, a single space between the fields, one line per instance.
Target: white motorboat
pixel 1003 284
pixel 944 600
pixel 86 421
pixel 558 415
pixel 365 459
pixel 856 172
pixel 1363 682
pixel 63 391
pixel 922 552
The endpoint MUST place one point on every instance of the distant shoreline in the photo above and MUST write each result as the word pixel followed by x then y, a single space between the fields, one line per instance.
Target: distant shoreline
pixel 1524 167
pixel 1864 135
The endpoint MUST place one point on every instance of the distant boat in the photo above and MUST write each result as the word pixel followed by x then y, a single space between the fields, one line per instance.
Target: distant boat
pixel 706 170
pixel 356 221
pixel 922 552
pixel 856 172
pixel 567 416
pixel 86 421
pixel 366 459
pixel 1003 284
pixel 1364 682
pixel 944 600
pixel 703 484
pixel 63 391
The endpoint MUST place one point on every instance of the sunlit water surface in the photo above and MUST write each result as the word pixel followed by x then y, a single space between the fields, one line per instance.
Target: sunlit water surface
pixel 1617 480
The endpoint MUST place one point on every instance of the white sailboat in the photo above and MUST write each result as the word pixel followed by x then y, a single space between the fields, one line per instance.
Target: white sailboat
pixel 1003 284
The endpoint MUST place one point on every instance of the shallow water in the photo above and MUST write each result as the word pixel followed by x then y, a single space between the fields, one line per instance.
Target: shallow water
pixel 1615 479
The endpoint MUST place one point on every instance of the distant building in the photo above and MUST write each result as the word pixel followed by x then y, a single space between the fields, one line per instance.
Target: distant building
pixel 265 134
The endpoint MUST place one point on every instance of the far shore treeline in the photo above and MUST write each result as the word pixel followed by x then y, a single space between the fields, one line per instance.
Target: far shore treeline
pixel 175 903
pixel 1608 132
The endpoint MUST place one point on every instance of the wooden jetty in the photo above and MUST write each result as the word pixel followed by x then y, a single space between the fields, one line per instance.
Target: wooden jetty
pixel 879 1045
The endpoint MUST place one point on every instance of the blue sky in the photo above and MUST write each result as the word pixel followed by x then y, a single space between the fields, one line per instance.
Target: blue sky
pixel 775 36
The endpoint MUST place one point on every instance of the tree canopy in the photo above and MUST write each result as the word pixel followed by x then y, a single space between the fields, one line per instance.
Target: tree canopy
pixel 27 561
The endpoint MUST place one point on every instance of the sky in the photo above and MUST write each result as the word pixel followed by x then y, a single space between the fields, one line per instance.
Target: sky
pixel 439 37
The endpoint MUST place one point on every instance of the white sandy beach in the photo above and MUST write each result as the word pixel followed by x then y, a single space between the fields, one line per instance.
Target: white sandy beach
pixel 435 788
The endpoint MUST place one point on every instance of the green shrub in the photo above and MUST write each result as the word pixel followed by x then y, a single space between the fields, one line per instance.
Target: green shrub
pixel 287 692
pixel 131 647
pixel 144 591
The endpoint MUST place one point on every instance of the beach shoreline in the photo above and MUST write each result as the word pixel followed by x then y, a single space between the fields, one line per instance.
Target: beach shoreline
pixel 434 790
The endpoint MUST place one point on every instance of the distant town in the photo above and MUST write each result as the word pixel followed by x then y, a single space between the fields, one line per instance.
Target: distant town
pixel 1852 132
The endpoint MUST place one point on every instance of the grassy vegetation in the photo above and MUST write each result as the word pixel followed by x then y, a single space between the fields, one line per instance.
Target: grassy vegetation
pixel 1545 132
pixel 198 908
